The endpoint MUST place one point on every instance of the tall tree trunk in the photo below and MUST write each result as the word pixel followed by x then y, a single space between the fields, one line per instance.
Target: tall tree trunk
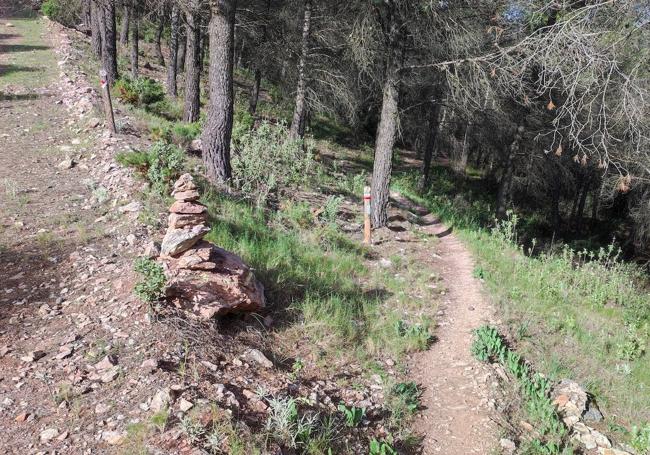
pixel 430 143
pixel 297 129
pixel 581 204
pixel 109 42
pixel 218 129
pixel 158 43
pixel 505 184
pixel 172 67
pixel 182 48
pixel 255 89
pixel 595 198
pixel 255 92
pixel 86 16
pixel 126 23
pixel 135 26
pixel 460 151
pixel 193 68
pixel 385 142
pixel 96 28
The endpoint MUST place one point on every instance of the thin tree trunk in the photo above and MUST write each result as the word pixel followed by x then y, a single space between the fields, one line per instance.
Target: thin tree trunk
pixel 182 48
pixel 595 198
pixel 255 89
pixel 126 22
pixel 86 15
pixel 255 92
pixel 505 184
pixel 158 43
pixel 218 129
pixel 297 129
pixel 192 69
pixel 134 43
pixel 109 42
pixel 430 144
pixel 581 204
pixel 96 28
pixel 172 67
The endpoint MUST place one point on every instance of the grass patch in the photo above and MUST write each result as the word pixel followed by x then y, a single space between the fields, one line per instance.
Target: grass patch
pixel 30 62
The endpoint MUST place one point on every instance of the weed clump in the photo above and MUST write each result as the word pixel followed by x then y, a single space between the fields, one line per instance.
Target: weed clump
pixel 161 165
pixel 152 282
pixel 141 92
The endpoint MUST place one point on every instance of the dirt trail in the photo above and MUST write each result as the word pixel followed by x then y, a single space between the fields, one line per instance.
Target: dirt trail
pixel 456 419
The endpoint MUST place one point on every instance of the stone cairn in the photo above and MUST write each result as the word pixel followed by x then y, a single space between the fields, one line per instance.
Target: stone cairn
pixel 202 278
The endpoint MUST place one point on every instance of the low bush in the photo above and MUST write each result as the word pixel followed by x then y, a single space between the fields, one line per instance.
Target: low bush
pixel 141 92
pixel 151 286
pixel 161 165
pixel 64 12
pixel 267 162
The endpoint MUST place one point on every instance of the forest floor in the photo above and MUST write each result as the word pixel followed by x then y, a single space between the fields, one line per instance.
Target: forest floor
pixel 67 241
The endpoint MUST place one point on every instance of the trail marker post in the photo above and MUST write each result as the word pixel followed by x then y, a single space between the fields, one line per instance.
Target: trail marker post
pixel 108 104
pixel 366 216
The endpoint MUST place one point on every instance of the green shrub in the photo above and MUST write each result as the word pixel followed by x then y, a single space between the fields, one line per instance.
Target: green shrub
pixel 152 282
pixel 640 438
pixel 266 162
pixel 161 165
pixel 353 415
pixel 166 164
pixel 141 92
pixel 51 8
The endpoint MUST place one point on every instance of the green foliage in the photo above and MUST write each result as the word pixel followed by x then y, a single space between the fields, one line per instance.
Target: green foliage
pixel 286 425
pixel 267 162
pixel 640 438
pixel 406 398
pixel 152 282
pixel 166 164
pixel 381 448
pixel 418 333
pixel 243 123
pixel 353 415
pixel 159 420
pixel 192 429
pixel 489 345
pixel 331 208
pixel 161 165
pixel 141 92
pixel 51 9
pixel 136 159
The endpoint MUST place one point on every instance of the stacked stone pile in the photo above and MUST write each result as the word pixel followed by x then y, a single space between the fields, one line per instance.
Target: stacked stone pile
pixel 203 279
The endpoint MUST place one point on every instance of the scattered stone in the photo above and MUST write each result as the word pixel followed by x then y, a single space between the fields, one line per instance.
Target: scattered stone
pixel 161 400
pixel 93 123
pixel 33 356
pixel 256 356
pixel 110 375
pixel 196 146
pixel 68 163
pixel 131 207
pixel 21 417
pixel 49 434
pixel 385 263
pixel 64 352
pixel 508 445
pixel 131 239
pixel 610 451
pixel 152 250
pixel 112 437
pixel 185 405
pixel 102 408
pixel 149 365
pixel 107 362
